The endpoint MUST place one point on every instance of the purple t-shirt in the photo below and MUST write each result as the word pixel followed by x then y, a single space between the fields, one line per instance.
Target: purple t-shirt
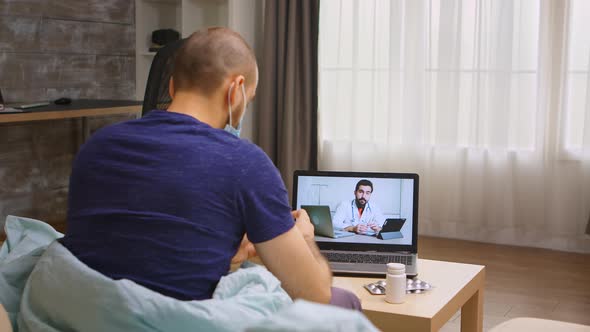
pixel 166 199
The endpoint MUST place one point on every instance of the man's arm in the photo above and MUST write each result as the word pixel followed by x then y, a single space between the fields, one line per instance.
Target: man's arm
pixel 245 251
pixel 294 258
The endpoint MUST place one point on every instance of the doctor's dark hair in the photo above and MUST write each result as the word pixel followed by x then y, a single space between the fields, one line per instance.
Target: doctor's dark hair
pixel 209 56
pixel 364 182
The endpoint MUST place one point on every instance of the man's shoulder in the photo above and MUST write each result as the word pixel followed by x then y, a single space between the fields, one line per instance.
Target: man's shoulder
pixel 251 152
pixel 106 133
pixel 254 166
pixel 113 129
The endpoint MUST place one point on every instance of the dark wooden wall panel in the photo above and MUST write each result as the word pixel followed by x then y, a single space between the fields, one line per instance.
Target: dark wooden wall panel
pixel 116 91
pixel 51 49
pixel 87 37
pixel 37 34
pixel 19 34
pixel 40 70
pixel 22 7
pixel 70 70
pixel 114 11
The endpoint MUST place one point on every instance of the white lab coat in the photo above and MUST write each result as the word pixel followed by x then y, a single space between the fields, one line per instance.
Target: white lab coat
pixel 347 214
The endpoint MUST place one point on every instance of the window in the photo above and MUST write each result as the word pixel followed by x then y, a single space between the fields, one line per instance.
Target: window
pixel 451 73
pixel 576 101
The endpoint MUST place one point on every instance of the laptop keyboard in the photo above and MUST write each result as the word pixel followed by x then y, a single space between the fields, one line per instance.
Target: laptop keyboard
pixel 342 257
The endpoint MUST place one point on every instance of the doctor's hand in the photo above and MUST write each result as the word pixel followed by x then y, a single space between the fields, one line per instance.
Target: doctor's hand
pixel 303 223
pixel 245 251
pixel 360 228
pixel 374 227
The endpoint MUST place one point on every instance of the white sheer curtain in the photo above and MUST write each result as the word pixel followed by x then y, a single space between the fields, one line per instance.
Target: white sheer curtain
pixel 487 100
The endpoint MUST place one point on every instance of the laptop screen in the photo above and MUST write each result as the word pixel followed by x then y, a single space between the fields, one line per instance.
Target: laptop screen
pixel 367 211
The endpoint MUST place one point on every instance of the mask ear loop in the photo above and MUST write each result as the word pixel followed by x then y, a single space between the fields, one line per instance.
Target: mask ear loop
pixel 244 96
pixel 229 102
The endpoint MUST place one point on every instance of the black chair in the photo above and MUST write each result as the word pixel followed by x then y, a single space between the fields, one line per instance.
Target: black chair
pixel 156 90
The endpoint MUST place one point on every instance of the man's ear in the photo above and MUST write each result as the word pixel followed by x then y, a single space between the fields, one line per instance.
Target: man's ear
pixel 171 87
pixel 236 90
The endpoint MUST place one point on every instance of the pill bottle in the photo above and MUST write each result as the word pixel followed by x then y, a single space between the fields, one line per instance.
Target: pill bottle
pixel 395 287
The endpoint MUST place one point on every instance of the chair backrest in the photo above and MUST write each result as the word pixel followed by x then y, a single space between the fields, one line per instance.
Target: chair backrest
pixel 1 101
pixel 156 90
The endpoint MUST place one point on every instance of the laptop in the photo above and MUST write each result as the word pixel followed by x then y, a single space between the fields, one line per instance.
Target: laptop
pixel 393 203
pixel 322 221
pixel 6 110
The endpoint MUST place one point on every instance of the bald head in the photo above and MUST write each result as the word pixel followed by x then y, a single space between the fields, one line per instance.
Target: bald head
pixel 211 55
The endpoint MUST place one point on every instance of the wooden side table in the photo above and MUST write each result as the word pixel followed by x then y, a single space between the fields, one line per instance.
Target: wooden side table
pixel 456 286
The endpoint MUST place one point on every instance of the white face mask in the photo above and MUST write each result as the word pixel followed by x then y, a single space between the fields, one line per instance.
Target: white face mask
pixel 229 127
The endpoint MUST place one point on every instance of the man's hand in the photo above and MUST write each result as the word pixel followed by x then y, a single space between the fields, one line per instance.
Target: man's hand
pixel 295 259
pixel 245 251
pixel 304 224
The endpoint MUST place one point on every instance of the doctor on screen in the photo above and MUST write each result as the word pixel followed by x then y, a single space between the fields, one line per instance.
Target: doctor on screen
pixel 358 215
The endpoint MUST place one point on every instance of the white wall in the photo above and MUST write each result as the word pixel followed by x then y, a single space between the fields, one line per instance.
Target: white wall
pixel 394 196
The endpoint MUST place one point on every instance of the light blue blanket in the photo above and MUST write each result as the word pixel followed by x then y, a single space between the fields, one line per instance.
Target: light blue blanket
pixel 45 288
pixel 26 240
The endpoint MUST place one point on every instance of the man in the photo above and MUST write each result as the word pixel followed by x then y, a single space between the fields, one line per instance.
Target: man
pixel 358 215
pixel 167 200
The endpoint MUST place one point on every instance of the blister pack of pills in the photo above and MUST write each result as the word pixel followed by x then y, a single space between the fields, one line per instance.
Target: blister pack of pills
pixel 413 286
